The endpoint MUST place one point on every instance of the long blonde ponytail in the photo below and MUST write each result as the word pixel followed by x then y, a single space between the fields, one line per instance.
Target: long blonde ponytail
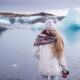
pixel 57 46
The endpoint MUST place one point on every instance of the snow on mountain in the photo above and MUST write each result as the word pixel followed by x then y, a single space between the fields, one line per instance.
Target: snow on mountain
pixel 33 17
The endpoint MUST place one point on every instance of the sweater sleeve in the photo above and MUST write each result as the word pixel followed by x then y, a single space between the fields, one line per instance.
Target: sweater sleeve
pixel 36 51
pixel 62 62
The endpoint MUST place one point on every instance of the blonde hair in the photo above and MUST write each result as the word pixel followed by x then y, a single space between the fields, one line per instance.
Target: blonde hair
pixel 57 46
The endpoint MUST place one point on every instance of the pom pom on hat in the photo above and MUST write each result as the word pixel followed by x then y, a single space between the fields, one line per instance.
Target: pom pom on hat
pixel 49 25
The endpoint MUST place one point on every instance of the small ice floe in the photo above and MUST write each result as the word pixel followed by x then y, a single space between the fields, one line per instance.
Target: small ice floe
pixel 37 26
pixel 14 65
pixel 4 21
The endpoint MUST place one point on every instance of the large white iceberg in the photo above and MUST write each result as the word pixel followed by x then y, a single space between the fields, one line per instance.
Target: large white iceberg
pixel 72 20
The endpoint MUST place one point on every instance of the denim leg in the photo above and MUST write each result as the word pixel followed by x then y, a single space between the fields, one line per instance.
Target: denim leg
pixel 43 77
pixel 54 77
pixel 46 78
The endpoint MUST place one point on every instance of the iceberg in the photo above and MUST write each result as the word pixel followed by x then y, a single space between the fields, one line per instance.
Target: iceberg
pixel 4 21
pixel 70 25
pixel 38 26
pixel 33 17
pixel 2 17
pixel 71 21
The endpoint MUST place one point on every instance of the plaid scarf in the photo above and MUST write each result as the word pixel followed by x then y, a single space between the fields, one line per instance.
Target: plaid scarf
pixel 44 39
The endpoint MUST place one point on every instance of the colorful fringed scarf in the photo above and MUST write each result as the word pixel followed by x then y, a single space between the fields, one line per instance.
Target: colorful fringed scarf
pixel 44 39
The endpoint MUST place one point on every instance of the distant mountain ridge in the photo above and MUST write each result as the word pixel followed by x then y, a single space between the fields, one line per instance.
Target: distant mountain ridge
pixel 25 15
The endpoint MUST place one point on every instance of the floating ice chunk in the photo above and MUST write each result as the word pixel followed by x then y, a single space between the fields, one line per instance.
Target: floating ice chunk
pixel 14 65
pixel 37 26
pixel 4 21
pixel 2 17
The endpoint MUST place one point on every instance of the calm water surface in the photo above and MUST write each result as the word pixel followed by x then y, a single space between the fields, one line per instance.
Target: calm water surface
pixel 16 54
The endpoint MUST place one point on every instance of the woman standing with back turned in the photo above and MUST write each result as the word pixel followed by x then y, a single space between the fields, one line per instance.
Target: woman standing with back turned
pixel 49 50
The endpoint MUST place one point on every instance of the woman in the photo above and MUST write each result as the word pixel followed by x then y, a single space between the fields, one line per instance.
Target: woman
pixel 49 50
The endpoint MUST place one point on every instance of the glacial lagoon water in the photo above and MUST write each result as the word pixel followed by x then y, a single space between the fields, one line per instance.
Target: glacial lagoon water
pixel 16 54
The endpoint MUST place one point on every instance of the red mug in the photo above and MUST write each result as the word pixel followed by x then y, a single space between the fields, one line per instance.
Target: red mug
pixel 64 75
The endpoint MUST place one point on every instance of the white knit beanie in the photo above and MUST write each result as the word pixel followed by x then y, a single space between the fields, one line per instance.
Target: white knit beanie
pixel 49 25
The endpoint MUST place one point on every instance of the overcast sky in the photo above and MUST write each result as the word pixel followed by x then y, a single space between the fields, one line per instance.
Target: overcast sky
pixel 36 5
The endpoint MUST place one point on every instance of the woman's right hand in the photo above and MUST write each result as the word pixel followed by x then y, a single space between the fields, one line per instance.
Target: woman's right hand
pixel 65 73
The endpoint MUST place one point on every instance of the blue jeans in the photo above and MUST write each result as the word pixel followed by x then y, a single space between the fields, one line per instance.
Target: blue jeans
pixel 46 78
pixel 54 77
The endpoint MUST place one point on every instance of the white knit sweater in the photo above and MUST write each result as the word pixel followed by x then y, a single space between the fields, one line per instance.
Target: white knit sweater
pixel 48 65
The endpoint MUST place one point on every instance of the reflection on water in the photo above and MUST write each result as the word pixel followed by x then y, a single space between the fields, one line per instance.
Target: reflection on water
pixel 2 30
pixel 72 34
pixel 16 54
